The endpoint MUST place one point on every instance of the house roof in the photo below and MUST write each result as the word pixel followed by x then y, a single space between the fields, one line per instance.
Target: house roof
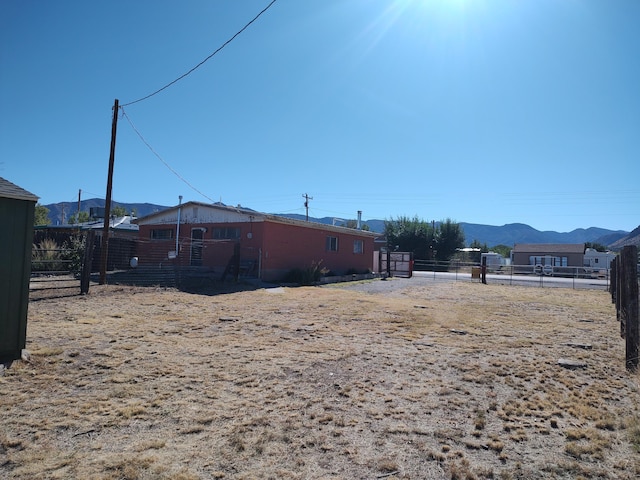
pixel 10 190
pixel 217 205
pixel 256 216
pixel 549 248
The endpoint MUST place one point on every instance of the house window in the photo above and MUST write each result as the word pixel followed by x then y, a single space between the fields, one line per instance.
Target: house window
pixel 358 246
pixel 226 233
pixel 161 234
pixel 332 244
pixel 549 260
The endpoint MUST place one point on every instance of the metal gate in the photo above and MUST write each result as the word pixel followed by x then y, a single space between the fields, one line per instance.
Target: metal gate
pixel 396 264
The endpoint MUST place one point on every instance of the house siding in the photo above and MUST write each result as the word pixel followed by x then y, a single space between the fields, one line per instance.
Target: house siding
pixel 574 253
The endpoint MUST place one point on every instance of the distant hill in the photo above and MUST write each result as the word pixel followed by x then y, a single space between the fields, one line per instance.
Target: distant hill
pixel 491 235
pixel 513 233
pixel 632 239
pixel 509 234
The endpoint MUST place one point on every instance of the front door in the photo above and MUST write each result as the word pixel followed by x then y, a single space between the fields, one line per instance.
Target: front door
pixel 197 241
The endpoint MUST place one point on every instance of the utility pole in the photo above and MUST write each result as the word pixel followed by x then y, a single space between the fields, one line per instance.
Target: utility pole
pixel 306 203
pixel 78 217
pixel 107 205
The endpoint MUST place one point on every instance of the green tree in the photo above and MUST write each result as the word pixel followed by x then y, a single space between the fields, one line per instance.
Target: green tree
pixel 81 217
pixel 480 247
pixel 354 224
pixel 410 235
pixel 596 246
pixel 503 250
pixel 449 238
pixel 74 253
pixel 41 215
pixel 118 211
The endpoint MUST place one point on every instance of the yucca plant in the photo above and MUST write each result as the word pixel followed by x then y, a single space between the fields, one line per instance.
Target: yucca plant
pixel 46 256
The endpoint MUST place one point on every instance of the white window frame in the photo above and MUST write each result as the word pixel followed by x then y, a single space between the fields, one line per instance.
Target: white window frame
pixel 331 244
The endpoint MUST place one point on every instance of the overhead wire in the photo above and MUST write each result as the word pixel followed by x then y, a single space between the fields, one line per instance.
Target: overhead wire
pixel 203 61
pixel 124 114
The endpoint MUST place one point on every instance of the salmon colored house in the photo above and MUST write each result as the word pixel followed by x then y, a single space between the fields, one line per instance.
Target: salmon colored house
pixel 214 236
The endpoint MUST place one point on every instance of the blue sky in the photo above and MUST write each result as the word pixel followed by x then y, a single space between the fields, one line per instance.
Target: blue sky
pixel 493 112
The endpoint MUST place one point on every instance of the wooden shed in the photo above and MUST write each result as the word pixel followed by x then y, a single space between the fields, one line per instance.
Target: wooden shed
pixel 17 209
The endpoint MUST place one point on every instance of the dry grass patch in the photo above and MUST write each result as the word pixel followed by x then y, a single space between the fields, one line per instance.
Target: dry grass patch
pixel 136 383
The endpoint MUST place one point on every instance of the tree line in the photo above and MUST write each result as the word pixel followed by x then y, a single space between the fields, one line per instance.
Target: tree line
pixel 427 240
pixel 441 241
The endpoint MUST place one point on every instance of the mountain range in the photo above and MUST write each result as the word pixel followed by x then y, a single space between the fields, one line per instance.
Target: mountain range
pixel 491 235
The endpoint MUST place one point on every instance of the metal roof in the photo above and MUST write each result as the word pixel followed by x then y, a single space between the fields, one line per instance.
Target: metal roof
pixel 10 190
pixel 258 216
pixel 548 248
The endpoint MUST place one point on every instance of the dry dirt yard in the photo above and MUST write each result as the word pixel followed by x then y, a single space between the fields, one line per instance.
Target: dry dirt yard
pixel 394 380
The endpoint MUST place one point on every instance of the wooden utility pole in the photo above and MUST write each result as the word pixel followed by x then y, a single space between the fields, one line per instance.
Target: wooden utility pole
pixel 107 206
pixel 306 203
pixel 85 276
pixel 483 270
pixel 78 217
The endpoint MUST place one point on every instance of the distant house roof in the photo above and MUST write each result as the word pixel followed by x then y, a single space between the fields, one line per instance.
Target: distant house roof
pixel 116 223
pixel 546 248
pixel 9 190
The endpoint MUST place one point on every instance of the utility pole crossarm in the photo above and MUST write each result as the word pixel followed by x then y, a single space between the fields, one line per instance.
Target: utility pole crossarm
pixel 306 204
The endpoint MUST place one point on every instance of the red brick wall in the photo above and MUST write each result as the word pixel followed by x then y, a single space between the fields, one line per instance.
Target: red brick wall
pixel 289 246
pixel 279 247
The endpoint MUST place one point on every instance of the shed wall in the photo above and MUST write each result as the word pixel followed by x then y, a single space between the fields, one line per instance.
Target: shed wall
pixel 16 235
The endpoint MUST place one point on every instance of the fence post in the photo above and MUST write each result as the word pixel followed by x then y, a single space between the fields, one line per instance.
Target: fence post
pixel 620 295
pixel 85 275
pixel 630 311
pixel 612 280
pixel 483 268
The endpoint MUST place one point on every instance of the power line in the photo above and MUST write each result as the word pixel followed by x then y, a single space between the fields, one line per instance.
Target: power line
pixel 161 159
pixel 203 61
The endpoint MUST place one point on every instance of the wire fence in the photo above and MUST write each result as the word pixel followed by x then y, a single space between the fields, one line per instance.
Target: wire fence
pixel 522 275
pixel 193 264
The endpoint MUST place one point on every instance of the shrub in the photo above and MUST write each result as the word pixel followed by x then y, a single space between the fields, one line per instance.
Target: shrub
pixel 45 256
pixel 306 276
pixel 74 253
